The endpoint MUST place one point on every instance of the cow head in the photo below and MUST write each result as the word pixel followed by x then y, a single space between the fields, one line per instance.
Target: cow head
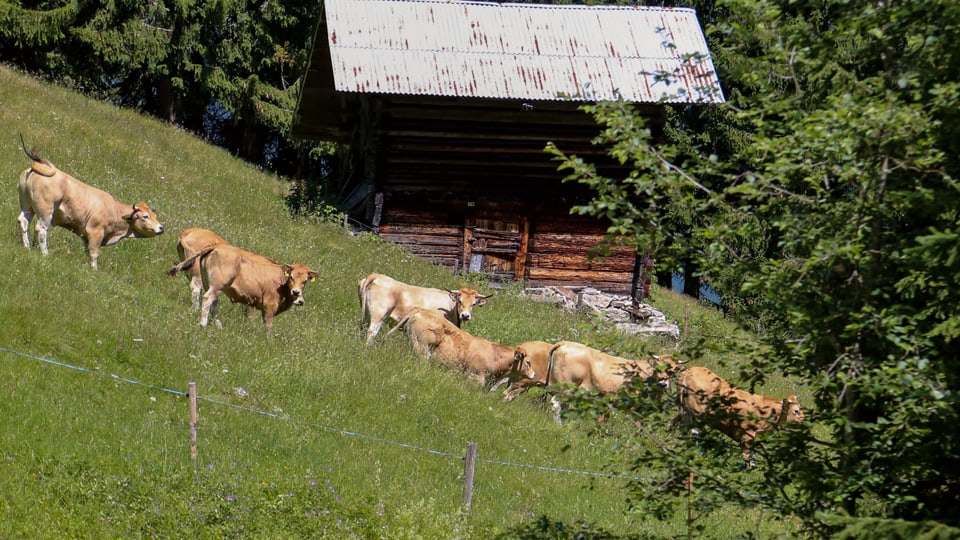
pixel 667 367
pixel 522 363
pixel 143 221
pixel 297 276
pixel 464 299
pixel 791 411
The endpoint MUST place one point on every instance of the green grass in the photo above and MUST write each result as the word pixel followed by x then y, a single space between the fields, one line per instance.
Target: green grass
pixel 332 438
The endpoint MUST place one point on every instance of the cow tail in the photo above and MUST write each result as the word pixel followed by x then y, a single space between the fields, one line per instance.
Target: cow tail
pixel 546 378
pixel 32 153
pixel 401 323
pixel 364 285
pixel 188 264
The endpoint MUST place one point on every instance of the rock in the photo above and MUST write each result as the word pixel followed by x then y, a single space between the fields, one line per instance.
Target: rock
pixel 619 310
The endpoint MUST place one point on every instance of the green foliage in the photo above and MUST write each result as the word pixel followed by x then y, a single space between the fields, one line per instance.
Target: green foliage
pixel 854 528
pixel 821 200
pixel 36 27
pixel 228 70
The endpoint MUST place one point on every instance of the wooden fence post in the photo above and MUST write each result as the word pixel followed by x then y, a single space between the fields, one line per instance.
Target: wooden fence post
pixel 470 463
pixel 192 394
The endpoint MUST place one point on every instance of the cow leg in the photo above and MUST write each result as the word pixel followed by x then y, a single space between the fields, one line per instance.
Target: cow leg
pixel 268 319
pixel 25 216
pixel 94 238
pixel 43 225
pixel 209 306
pixel 374 329
pixel 376 321
pixel 517 388
pixel 746 451
pixel 555 407
pixel 500 382
pixel 196 286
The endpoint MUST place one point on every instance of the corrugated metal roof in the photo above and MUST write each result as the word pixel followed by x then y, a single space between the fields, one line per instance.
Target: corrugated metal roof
pixel 527 51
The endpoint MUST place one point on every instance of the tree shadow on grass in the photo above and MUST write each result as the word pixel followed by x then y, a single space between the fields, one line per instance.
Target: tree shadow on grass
pixel 543 528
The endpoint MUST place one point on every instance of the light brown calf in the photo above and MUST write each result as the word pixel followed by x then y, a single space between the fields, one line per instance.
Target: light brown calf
pixel 247 278
pixel 530 369
pixel 736 413
pixel 382 297
pixel 192 241
pixel 433 336
pixel 56 198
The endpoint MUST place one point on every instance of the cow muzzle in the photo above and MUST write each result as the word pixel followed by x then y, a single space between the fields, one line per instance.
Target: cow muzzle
pixel 298 301
pixel 464 316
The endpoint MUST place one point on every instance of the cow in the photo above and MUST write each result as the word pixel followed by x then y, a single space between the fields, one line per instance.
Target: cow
pixel 736 413
pixel 382 296
pixel 56 198
pixel 433 336
pixel 529 369
pixel 247 278
pixel 193 240
pixel 585 367
pixel 575 364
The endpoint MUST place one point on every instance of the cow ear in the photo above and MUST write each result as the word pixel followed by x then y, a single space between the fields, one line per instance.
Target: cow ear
pixel 455 295
pixel 313 276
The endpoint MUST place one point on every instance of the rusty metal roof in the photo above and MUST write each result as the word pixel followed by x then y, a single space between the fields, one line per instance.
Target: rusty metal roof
pixel 527 51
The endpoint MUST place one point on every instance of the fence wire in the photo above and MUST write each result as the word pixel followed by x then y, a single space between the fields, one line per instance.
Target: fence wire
pixel 313 424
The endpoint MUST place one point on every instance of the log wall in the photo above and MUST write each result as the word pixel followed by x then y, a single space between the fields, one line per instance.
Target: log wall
pixel 557 247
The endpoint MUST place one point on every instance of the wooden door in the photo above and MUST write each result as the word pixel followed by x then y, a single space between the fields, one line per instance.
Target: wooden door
pixel 496 245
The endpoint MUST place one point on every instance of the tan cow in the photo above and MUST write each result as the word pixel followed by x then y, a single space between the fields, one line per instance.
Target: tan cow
pixel 433 336
pixel 576 364
pixel 193 240
pixel 56 198
pixel 736 413
pixel 247 278
pixel 382 296
pixel 582 366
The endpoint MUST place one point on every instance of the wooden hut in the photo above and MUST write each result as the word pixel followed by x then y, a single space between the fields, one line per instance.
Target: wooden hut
pixel 446 108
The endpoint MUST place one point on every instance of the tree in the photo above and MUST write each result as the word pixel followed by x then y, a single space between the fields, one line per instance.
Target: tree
pixel 829 202
pixel 227 70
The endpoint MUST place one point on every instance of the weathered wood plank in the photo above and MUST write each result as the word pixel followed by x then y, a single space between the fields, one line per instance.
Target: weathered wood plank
pixel 581 263
pixel 583 276
pixel 431 230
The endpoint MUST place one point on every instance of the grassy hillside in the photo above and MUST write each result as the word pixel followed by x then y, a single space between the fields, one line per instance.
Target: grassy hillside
pixel 307 433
